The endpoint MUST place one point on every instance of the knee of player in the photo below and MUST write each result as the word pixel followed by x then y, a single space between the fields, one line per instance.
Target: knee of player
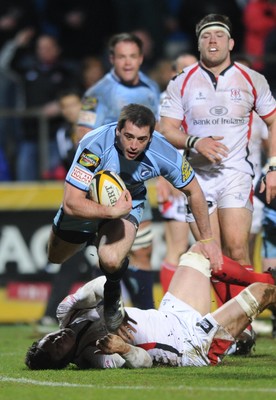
pixel 237 253
pixel 111 262
pixel 195 261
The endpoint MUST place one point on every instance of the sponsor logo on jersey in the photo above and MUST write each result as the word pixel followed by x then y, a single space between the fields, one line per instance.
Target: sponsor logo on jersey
pixel 218 110
pixel 205 325
pixel 89 104
pixel 200 96
pixel 87 118
pixel 186 170
pixel 89 160
pixel 81 176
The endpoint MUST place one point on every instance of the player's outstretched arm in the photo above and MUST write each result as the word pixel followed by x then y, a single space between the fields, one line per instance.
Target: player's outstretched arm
pixel 135 357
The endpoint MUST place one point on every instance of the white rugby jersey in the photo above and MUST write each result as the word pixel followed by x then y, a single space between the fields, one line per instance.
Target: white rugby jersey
pixel 175 336
pixel 219 107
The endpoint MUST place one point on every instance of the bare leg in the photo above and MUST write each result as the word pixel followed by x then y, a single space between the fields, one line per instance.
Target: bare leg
pixel 192 287
pixel 60 251
pixel 232 316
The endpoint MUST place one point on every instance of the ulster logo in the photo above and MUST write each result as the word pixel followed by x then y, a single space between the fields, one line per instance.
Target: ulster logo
pixel 235 94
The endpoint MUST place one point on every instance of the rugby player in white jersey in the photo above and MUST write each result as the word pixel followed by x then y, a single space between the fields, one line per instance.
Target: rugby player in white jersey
pixel 182 332
pixel 213 101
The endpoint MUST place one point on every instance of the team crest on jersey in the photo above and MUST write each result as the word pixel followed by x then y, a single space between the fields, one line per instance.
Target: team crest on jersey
pixel 89 160
pixel 205 325
pixel 89 104
pixel 235 94
pixel 186 170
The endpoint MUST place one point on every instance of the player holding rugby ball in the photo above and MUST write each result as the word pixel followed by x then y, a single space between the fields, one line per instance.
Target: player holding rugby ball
pixel 132 149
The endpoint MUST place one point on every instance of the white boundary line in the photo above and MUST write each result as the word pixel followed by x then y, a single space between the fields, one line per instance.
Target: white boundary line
pixel 180 387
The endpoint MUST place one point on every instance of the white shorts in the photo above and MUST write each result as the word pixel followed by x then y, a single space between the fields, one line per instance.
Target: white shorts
pixel 175 208
pixel 257 216
pixel 178 335
pixel 225 189
pixel 203 333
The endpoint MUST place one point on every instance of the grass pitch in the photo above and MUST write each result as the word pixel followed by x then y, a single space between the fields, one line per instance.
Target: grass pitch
pixel 237 378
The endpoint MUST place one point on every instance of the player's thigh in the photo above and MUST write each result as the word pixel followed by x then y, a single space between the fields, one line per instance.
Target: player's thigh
pixel 115 239
pixel 235 224
pixel 192 287
pixel 60 250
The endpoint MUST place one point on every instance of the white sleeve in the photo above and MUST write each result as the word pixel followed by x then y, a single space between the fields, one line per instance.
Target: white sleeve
pixel 91 293
pixel 88 296
pixel 88 359
pixel 137 358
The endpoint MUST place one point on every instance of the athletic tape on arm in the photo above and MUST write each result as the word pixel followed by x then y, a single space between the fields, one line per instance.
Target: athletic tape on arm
pixel 196 261
pixel 137 358
pixel 248 303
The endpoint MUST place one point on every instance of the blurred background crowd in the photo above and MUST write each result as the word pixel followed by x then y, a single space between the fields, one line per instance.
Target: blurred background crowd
pixel 48 46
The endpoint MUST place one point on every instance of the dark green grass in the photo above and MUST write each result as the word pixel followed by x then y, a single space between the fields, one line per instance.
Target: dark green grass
pixel 237 378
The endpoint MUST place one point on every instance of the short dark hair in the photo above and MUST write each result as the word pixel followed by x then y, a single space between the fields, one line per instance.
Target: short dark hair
pixel 139 115
pixel 73 91
pixel 211 18
pixel 38 359
pixel 124 37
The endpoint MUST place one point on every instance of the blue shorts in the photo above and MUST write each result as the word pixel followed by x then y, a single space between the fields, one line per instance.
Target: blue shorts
pixel 76 230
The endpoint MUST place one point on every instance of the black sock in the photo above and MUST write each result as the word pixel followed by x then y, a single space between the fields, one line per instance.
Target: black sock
pixel 139 284
pixel 116 276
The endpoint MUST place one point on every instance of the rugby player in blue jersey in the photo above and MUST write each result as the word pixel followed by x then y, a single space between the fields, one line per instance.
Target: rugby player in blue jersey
pixel 102 104
pixel 132 149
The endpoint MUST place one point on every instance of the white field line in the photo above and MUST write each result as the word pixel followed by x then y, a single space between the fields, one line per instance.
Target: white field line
pixel 181 387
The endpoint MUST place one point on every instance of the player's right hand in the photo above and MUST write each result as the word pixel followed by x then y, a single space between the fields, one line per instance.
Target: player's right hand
pixel 212 148
pixel 123 205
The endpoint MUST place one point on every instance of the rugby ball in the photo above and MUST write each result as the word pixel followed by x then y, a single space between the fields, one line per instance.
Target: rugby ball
pixel 106 187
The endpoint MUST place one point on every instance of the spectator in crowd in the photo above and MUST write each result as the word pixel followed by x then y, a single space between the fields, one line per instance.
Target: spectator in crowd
pixel 167 336
pixel 92 70
pixel 270 60
pixel 43 76
pixel 138 17
pixel 82 27
pixel 209 115
pixel 259 18
pixel 15 15
pixel 102 103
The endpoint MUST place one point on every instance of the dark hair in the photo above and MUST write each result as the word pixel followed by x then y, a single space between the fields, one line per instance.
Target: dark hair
pixel 73 91
pixel 37 359
pixel 137 114
pixel 124 37
pixel 212 18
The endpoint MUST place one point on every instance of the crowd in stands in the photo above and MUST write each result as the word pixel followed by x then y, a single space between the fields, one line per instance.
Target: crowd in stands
pixel 48 46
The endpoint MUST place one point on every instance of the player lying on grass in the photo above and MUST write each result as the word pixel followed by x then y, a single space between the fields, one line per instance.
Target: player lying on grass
pixel 182 332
